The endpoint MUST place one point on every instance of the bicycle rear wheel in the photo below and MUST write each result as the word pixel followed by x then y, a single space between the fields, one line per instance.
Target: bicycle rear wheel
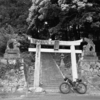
pixel 81 88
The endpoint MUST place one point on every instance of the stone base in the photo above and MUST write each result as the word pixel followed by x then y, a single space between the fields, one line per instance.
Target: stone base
pixel 90 58
pixel 13 81
pixel 12 56
pixel 90 73
pixel 36 89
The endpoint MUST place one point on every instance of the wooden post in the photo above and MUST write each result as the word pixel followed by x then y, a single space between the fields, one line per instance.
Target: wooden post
pixel 56 45
pixel 37 65
pixel 74 65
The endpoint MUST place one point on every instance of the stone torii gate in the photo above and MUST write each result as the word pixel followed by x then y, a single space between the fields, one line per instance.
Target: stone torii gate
pixel 56 49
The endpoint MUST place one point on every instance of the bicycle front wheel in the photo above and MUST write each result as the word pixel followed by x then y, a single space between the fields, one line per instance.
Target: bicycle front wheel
pixel 64 88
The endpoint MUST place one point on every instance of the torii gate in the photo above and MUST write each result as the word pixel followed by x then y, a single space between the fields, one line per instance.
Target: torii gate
pixel 56 49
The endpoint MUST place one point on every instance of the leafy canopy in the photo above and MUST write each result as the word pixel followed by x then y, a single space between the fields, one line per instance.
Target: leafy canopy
pixel 64 19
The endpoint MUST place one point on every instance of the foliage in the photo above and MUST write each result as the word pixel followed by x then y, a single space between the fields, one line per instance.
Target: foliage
pixel 24 42
pixel 29 58
pixel 4 37
pixel 14 12
pixel 65 19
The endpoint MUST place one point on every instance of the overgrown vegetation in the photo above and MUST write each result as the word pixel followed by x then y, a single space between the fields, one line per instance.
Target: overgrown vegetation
pixel 14 13
pixel 64 19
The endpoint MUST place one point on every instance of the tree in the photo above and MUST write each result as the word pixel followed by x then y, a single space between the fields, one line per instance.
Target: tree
pixel 66 19
pixel 14 12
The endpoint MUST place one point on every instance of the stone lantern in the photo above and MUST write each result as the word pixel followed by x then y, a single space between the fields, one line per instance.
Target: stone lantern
pixel 62 64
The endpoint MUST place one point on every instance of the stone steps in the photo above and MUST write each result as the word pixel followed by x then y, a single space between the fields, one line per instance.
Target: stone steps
pixel 51 77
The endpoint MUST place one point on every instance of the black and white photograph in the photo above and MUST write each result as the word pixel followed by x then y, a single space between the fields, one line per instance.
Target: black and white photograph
pixel 49 49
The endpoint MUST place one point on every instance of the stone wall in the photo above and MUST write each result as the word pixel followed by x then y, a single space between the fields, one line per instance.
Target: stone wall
pixel 90 72
pixel 13 79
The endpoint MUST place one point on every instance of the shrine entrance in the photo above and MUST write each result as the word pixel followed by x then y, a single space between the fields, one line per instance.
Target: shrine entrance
pixel 55 49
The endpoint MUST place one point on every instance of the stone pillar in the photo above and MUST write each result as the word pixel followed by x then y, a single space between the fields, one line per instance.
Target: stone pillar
pixel 37 71
pixel 37 65
pixel 22 81
pixel 74 65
